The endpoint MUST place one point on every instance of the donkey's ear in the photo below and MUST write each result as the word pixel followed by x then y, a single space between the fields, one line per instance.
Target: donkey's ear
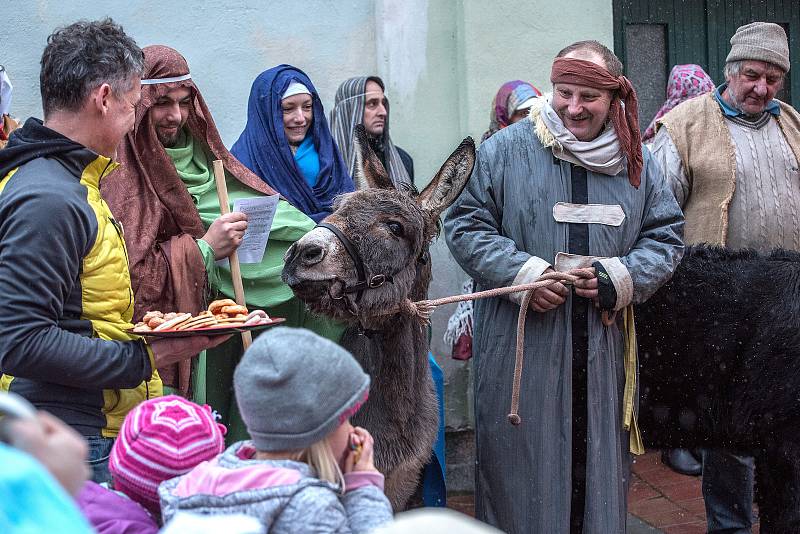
pixel 450 180
pixel 369 170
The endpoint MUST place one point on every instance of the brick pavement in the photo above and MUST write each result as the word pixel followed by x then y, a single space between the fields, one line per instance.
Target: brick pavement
pixel 658 497
pixel 665 499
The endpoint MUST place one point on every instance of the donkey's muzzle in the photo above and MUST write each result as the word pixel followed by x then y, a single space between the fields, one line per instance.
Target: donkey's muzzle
pixel 298 258
pixel 304 255
pixel 310 254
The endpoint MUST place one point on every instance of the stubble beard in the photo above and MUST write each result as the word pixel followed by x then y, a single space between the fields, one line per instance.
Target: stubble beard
pixel 168 141
pixel 378 134
pixel 734 101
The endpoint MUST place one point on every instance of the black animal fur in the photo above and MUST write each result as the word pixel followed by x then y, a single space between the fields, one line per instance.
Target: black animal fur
pixel 719 353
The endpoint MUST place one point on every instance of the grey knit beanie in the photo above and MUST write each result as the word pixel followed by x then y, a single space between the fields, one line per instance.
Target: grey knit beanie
pixel 761 41
pixel 294 387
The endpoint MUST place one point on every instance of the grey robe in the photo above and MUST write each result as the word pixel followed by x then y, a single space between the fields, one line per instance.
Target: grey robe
pixel 503 218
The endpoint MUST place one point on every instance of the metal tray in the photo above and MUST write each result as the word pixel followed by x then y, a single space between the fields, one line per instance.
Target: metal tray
pixel 216 330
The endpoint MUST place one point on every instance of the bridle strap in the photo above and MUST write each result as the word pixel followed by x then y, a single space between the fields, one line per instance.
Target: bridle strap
pixel 363 284
pixel 348 246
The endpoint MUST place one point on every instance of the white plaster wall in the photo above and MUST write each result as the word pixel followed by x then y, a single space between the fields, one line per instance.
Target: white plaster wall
pixel 506 40
pixel 227 44
pixel 442 61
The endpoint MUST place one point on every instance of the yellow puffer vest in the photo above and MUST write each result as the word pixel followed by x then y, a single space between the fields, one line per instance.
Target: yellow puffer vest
pixel 96 302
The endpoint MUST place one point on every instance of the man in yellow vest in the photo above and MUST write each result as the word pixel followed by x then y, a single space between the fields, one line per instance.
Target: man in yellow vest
pixel 64 343
pixel 731 157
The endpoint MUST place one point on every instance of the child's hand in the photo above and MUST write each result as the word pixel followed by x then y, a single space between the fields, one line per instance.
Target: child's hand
pixel 360 456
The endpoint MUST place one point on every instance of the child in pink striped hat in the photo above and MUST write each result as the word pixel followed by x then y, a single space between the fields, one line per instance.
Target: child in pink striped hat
pixel 160 439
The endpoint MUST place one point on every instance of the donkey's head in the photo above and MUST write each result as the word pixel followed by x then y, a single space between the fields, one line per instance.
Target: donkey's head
pixel 372 251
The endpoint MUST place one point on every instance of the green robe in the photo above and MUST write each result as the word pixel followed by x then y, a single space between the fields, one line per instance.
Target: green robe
pixel 263 287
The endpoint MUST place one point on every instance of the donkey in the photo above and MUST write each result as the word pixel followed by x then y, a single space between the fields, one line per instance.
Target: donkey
pixel 720 367
pixel 361 265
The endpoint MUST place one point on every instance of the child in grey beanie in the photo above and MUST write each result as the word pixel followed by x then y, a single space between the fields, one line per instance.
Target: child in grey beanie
pixel 307 469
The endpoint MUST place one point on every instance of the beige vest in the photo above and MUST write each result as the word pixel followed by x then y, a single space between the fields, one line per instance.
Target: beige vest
pixel 698 129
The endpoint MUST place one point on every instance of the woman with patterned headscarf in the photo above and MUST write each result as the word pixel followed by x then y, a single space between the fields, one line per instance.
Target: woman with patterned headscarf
pixel 511 104
pixel 685 83
pixel 288 144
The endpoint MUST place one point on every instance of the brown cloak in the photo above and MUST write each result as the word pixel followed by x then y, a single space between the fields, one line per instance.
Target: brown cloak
pixel 157 213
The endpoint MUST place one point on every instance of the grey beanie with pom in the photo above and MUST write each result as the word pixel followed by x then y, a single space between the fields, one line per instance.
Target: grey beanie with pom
pixel 294 387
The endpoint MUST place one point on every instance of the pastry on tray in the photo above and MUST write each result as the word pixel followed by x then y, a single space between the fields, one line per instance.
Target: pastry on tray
pixel 223 313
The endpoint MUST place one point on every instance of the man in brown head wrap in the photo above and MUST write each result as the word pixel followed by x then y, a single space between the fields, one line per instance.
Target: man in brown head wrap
pixel 165 197
pixel 569 187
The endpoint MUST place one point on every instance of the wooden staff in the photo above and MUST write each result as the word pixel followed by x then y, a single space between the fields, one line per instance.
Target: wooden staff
pixel 236 273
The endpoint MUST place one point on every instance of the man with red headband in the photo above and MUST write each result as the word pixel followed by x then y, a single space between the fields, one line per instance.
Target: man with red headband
pixel 570 187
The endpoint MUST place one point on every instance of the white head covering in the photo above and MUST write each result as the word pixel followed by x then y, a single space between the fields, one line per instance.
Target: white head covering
pixel 5 92
pixel 527 104
pixel 295 88
pixel 172 79
pixel 435 521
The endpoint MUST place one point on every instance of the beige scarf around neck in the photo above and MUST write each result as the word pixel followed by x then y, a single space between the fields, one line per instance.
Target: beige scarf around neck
pixel 602 154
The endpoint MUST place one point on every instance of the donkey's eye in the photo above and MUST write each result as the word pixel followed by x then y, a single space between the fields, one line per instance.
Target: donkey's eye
pixel 396 228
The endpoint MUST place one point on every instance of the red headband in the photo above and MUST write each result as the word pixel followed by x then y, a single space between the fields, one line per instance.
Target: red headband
pixel 626 122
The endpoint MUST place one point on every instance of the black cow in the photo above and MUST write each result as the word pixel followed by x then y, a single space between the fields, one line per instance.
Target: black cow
pixel 719 350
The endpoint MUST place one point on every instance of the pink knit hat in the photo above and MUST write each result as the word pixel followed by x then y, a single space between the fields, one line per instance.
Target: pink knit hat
pixel 160 439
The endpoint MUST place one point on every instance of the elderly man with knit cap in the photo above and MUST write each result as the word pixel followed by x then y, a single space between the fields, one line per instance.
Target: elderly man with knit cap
pixel 732 159
pixel 569 187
